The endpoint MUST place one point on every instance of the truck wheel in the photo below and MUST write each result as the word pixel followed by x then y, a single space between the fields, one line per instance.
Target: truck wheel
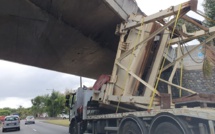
pixel 132 125
pixel 73 128
pixel 130 128
pixel 167 128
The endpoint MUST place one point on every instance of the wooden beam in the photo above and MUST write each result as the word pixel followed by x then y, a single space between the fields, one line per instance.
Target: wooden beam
pixel 186 89
pixel 138 78
pixel 143 43
pixel 196 35
pixel 187 18
pixel 207 40
pixel 163 14
pixel 132 99
pixel 157 63
pixel 137 60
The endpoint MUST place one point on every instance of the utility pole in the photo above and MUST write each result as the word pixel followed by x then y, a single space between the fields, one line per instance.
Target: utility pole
pixel 80 82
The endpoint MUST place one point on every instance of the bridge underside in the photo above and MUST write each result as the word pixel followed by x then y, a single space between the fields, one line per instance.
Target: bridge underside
pixel 71 36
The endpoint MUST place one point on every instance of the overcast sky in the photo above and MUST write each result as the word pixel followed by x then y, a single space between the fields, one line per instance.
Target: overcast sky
pixel 20 83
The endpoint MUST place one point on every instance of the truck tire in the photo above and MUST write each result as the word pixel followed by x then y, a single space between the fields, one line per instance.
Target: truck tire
pixel 167 128
pixel 169 124
pixel 73 128
pixel 132 125
pixel 130 128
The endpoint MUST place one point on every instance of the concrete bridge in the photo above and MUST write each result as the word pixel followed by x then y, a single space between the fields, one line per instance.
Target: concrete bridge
pixel 71 36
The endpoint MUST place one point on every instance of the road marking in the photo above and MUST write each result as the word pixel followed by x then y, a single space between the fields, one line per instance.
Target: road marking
pixel 34 129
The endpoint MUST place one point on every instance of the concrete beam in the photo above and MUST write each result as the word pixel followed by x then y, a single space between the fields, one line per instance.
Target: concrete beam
pixel 33 37
pixel 123 8
pixel 71 36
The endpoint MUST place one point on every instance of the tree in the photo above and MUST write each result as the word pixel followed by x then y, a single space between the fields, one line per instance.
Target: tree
pixel 23 112
pixel 209 9
pixel 4 112
pixel 55 103
pixel 20 110
pixel 38 105
pixel 12 110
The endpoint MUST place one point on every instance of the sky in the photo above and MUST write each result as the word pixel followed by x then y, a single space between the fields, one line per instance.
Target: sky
pixel 20 83
pixel 150 7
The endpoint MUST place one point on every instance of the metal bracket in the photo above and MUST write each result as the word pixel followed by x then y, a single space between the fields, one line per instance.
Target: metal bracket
pixel 120 30
pixel 184 29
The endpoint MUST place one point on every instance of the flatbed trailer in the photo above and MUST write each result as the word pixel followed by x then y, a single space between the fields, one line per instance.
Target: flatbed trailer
pixel 130 100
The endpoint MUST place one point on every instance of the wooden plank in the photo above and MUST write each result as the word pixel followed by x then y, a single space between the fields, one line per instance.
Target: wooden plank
pixel 156 66
pixel 139 79
pixel 197 34
pixel 196 98
pixel 165 101
pixel 110 86
pixel 188 90
pixel 162 14
pixel 187 18
pixel 146 40
pixel 133 99
pixel 148 55
pixel 137 61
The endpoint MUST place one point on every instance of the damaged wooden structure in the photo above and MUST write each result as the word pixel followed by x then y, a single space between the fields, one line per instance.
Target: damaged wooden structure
pixel 132 99
pixel 144 52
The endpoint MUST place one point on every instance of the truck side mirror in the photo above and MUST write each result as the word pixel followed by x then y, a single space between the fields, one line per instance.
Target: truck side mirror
pixel 73 97
pixel 67 96
pixel 67 103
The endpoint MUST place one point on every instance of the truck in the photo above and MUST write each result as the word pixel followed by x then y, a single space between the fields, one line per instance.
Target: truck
pixel 138 97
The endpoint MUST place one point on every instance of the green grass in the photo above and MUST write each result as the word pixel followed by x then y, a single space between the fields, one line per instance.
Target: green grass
pixel 58 122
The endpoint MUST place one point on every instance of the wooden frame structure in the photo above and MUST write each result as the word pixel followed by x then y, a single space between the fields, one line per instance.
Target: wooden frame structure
pixel 142 47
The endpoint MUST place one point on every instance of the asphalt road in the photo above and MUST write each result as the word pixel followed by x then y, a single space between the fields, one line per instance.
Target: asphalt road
pixel 39 128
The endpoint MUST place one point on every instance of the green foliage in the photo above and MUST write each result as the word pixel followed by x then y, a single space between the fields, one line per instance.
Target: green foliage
pixel 39 105
pixel 206 68
pixel 209 8
pixel 190 27
pixel 23 112
pixel 12 110
pixel 59 122
pixel 52 104
pixel 209 12
pixel 55 104
pixel 4 112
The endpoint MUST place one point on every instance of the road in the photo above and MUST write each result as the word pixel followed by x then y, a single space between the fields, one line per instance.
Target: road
pixel 39 128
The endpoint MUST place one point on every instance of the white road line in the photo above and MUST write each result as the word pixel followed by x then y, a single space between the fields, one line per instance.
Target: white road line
pixel 34 129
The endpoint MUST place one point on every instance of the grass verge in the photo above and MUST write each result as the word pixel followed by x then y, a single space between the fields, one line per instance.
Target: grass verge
pixel 58 122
